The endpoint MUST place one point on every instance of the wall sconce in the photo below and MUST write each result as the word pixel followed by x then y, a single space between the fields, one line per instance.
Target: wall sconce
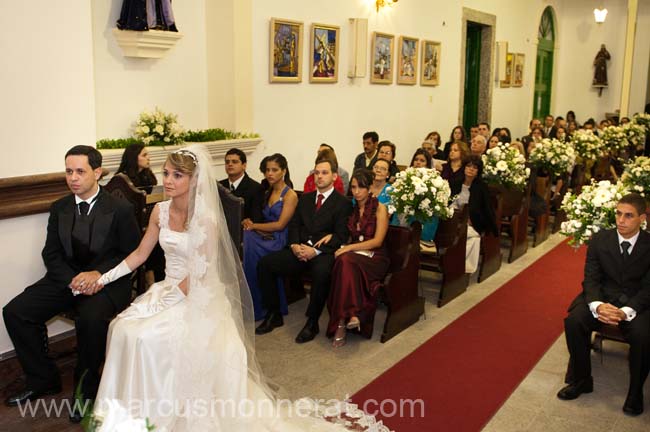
pixel 600 15
pixel 381 3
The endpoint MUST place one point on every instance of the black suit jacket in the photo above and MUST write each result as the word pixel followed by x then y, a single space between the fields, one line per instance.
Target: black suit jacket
pixel 308 224
pixel 251 192
pixel 481 211
pixel 115 234
pixel 360 161
pixel 610 280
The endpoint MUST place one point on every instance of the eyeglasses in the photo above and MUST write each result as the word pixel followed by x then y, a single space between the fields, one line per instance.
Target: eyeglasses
pixel 379 168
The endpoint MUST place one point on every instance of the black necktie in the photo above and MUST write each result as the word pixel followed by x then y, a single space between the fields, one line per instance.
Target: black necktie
pixel 232 187
pixel 83 208
pixel 625 245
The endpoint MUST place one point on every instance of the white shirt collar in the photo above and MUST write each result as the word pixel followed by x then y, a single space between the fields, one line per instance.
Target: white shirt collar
pixel 632 241
pixel 325 194
pixel 238 181
pixel 90 200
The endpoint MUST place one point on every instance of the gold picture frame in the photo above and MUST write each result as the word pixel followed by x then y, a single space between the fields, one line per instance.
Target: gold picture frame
pixel 324 53
pixel 285 51
pixel 381 64
pixel 510 62
pixel 407 60
pixel 518 70
pixel 430 63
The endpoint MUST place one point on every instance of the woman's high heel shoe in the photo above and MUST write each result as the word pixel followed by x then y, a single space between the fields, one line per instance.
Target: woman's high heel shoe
pixel 354 323
pixel 339 341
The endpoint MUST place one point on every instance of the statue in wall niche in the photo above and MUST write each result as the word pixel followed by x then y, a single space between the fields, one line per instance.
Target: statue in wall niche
pixel 144 15
pixel 600 69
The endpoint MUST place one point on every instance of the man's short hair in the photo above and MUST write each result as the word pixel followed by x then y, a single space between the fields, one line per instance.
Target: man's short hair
pixel 372 135
pixel 334 166
pixel 486 124
pixel 94 156
pixel 635 200
pixel 238 152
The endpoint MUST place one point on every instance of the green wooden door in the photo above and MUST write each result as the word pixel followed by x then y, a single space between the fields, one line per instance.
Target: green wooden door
pixel 472 75
pixel 544 65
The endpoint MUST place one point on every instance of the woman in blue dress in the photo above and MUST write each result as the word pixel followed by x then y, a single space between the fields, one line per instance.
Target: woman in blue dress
pixel 271 235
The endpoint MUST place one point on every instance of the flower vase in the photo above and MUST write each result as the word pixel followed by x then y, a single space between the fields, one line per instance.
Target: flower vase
pixel 429 229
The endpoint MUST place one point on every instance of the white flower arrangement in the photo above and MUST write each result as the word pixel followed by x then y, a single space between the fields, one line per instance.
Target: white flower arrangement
pixel 118 419
pixel 594 209
pixel 504 165
pixel 587 145
pixel 636 176
pixel 614 138
pixel 642 119
pixel 158 128
pixel 420 193
pixel 635 133
pixel 553 156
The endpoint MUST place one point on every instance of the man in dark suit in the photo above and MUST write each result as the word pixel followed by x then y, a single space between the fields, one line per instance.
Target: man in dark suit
pixel 88 233
pixel 319 213
pixel 241 185
pixel 616 291
pixel 369 156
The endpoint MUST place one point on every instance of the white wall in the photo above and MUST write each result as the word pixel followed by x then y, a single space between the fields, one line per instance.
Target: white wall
pixel 640 76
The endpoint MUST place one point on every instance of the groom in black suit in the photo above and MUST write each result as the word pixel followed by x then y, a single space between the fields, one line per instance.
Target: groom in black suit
pixel 88 233
pixel 616 291
pixel 319 213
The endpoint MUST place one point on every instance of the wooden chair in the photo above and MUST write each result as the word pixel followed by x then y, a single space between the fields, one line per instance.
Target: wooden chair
pixel 490 244
pixel 540 223
pixel 449 257
pixel 609 332
pixel 233 209
pixel 514 220
pixel 399 289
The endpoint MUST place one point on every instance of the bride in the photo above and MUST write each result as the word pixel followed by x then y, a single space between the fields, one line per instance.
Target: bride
pixel 182 355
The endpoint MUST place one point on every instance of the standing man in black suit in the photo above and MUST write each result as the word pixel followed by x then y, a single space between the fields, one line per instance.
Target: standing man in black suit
pixel 369 156
pixel 241 185
pixel 616 291
pixel 88 233
pixel 319 213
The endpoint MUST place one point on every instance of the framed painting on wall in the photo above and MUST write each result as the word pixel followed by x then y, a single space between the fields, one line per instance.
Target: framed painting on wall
pixel 381 65
pixel 285 54
pixel 518 71
pixel 507 81
pixel 430 67
pixel 324 54
pixel 407 71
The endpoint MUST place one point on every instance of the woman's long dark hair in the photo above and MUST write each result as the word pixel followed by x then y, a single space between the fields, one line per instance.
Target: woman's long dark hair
pixel 426 155
pixel 282 163
pixel 129 166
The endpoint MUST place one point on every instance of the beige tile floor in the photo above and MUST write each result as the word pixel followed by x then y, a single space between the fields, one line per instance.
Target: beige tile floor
pixel 316 370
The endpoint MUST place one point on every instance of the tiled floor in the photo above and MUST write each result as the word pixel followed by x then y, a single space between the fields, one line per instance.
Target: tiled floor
pixel 315 369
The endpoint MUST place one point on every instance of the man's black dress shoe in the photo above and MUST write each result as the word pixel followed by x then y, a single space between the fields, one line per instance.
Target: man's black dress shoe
pixel 572 391
pixel 30 395
pixel 272 320
pixel 633 404
pixel 308 332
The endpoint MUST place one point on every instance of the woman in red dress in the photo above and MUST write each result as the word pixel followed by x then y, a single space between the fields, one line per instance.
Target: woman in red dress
pixel 360 265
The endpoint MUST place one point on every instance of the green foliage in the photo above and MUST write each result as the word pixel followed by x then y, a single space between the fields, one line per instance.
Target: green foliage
pixel 119 143
pixel 190 136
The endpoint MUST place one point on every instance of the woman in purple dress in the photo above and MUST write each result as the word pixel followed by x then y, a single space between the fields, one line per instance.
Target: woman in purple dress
pixel 360 265
pixel 271 235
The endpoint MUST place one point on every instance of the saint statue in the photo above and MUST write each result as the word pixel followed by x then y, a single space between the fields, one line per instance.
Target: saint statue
pixel 141 15
pixel 600 66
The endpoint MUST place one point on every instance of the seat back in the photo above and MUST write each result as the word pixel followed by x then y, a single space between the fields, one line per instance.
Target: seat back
pixel 233 209
pixel 400 244
pixel 121 186
pixel 450 230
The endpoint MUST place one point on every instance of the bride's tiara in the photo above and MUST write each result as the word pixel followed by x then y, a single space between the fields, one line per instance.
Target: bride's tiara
pixel 188 153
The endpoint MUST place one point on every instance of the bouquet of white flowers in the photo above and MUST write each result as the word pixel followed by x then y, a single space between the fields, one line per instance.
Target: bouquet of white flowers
pixel 614 138
pixel 421 194
pixel 553 156
pixel 504 165
pixel 158 128
pixel 635 133
pixel 642 119
pixel 637 175
pixel 587 145
pixel 590 211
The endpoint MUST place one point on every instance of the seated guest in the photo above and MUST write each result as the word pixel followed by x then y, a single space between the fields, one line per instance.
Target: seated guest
pixel 494 141
pixel 484 130
pixel 615 291
pixel 270 235
pixel 135 164
pixel 437 147
pixel 478 145
pixel 88 233
pixel 473 191
pixel 504 135
pixel 457 135
pixel 571 128
pixel 525 140
pixel 386 150
pixel 369 155
pixel 319 213
pixel 380 186
pixel 421 159
pixel 561 134
pixel 310 182
pixel 453 169
pixel 360 265
pixel 473 131
pixel 536 135
pixel 241 185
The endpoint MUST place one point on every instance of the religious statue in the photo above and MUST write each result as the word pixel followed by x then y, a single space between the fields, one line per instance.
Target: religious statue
pixel 600 72
pixel 141 15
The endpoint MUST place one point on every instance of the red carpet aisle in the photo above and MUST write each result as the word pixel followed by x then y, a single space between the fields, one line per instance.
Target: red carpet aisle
pixel 468 370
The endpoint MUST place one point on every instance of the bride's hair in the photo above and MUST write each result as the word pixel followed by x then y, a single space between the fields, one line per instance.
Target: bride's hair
pixel 183 161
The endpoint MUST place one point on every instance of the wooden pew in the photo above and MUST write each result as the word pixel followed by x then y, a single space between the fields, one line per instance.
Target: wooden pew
pixel 399 289
pixel 491 244
pixel 540 223
pixel 449 258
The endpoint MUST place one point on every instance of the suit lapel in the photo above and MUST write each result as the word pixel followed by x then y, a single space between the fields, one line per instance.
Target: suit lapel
pixel 640 247
pixel 614 248
pixel 102 223
pixel 66 218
